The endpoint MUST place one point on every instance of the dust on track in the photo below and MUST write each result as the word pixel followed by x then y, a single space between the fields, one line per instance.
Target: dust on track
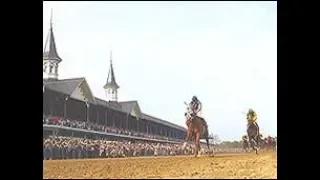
pixel 250 165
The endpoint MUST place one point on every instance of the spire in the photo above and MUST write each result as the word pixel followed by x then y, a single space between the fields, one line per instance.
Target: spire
pixel 110 58
pixel 51 19
pixel 111 81
pixel 50 50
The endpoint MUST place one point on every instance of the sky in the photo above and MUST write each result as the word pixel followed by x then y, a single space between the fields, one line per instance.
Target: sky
pixel 225 53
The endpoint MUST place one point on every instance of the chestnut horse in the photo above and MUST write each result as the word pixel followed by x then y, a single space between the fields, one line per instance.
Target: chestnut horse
pixel 196 129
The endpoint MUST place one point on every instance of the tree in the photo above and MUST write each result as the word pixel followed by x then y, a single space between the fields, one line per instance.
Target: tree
pixel 215 139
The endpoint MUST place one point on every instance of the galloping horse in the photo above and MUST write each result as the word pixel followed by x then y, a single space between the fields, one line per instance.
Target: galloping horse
pixel 196 129
pixel 254 135
pixel 269 143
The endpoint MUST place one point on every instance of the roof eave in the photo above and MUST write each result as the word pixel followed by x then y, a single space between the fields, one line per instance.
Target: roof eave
pixel 111 85
pixel 52 58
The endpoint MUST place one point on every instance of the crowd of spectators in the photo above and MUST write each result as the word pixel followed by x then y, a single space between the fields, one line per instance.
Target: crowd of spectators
pixel 77 148
pixel 101 128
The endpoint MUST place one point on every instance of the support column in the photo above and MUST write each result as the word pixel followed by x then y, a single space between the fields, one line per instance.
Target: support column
pixel 106 117
pixel 127 123
pixel 138 123
pixel 147 128
pixel 65 106
pixel 113 116
pixel 97 114
pixel 51 108
pixel 87 104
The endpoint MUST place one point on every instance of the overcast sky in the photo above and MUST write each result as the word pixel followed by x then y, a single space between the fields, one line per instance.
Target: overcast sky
pixel 225 53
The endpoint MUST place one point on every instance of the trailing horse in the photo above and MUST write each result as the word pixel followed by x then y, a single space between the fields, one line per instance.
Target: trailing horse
pixel 268 143
pixel 253 135
pixel 198 129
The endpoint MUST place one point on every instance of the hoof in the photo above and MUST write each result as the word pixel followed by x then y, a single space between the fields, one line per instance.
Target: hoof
pixel 213 154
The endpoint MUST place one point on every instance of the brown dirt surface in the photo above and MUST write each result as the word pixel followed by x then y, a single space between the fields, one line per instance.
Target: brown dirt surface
pixel 241 166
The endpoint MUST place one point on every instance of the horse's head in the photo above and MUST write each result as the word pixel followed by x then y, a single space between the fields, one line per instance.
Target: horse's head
pixel 188 112
pixel 188 119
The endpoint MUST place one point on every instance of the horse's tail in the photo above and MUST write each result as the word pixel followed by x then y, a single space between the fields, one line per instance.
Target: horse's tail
pixel 207 139
pixel 258 136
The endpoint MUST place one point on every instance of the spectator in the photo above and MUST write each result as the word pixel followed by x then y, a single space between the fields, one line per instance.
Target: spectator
pixel 73 148
pixel 96 127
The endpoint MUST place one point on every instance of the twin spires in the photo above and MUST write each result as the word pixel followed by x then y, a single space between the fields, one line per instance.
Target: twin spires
pixel 51 61
pixel 50 49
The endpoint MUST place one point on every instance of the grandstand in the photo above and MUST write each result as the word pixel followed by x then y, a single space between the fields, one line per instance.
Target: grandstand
pixel 73 99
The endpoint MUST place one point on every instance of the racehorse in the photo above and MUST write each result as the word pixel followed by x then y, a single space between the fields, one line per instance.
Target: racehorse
pixel 253 135
pixel 270 143
pixel 197 129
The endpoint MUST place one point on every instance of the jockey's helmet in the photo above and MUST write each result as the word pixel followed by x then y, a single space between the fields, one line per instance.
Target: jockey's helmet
pixel 194 98
pixel 250 110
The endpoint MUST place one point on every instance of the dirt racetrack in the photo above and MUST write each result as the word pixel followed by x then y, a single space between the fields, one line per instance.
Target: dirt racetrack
pixel 250 165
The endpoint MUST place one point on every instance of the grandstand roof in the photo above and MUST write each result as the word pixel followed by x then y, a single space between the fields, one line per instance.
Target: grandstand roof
pixel 112 105
pixel 68 86
pixel 131 107
pixel 128 105
pixel 160 121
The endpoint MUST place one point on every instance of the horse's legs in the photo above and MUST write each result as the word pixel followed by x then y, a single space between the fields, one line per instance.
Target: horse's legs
pixel 187 136
pixel 199 150
pixel 250 144
pixel 197 143
pixel 186 139
pixel 253 144
pixel 257 143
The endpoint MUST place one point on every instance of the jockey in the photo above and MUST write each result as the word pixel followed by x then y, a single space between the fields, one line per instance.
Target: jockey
pixel 196 106
pixel 251 116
